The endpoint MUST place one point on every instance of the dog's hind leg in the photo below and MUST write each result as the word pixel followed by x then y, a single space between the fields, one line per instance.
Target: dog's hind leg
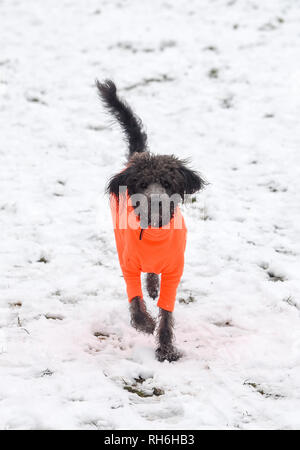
pixel 141 320
pixel 152 284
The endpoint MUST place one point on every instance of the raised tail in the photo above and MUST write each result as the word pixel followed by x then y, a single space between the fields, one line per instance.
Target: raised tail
pixel 131 124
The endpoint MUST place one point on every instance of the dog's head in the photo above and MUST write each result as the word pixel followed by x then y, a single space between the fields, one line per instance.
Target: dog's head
pixel 156 184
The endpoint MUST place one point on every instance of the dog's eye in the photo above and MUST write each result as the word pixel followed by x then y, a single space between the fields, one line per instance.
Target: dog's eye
pixel 144 185
pixel 166 184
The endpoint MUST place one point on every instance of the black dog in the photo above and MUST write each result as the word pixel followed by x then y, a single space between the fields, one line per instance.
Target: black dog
pixel 154 177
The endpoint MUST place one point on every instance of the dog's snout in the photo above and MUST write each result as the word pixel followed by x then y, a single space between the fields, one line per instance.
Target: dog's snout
pixel 154 189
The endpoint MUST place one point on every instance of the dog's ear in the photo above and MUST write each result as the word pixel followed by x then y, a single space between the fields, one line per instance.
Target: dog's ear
pixel 113 186
pixel 117 181
pixel 192 181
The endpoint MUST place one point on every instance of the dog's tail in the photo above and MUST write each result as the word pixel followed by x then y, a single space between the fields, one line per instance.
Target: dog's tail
pixel 130 123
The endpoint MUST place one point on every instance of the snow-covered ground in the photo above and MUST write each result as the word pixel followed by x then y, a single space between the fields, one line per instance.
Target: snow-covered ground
pixel 215 80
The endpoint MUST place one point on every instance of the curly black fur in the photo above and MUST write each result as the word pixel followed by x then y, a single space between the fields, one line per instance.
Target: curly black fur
pixel 165 336
pixel 168 170
pixel 152 284
pixel 143 167
pixel 130 123
pixel 141 320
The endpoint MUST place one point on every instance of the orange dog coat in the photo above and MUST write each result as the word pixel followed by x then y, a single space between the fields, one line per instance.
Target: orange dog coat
pixel 157 250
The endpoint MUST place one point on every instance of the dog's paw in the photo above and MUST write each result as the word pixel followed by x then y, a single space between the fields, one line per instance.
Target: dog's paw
pixel 169 353
pixel 141 320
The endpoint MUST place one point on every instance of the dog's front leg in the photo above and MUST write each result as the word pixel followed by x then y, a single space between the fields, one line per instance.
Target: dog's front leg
pixel 165 338
pixel 141 320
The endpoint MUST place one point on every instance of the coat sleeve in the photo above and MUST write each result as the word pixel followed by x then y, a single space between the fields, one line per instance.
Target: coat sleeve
pixel 169 283
pixel 131 274
pixel 172 273
pixel 133 283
